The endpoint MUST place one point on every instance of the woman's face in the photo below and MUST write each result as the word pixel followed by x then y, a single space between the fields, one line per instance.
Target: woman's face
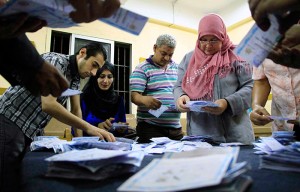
pixel 105 80
pixel 210 44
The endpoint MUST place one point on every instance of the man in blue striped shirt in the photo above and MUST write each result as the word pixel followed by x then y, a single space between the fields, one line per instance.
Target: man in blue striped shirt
pixel 151 86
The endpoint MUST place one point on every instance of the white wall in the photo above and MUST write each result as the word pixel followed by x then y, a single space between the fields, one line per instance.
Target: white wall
pixel 187 13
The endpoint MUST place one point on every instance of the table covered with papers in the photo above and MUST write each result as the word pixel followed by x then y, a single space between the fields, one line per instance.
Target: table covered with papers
pixel 34 170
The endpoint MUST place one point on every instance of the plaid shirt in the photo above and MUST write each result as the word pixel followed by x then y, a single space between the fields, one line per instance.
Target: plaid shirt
pixel 21 107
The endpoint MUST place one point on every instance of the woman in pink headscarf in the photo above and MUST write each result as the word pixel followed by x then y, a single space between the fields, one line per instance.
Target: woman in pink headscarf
pixel 212 72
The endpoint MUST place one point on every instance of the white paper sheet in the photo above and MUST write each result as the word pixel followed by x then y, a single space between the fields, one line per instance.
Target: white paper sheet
pixel 159 111
pixel 70 92
pixel 179 174
pixel 257 44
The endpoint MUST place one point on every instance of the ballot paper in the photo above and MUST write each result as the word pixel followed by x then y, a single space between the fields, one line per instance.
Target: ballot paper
pixel 127 20
pixel 257 44
pixel 55 12
pixel 280 118
pixel 82 145
pixel 233 151
pixel 159 111
pixel 162 145
pixel 197 105
pixel 179 174
pixel 93 164
pixel 116 126
pixel 70 92
pixel 45 143
pixel 267 145
pixel 287 159
pixel 272 143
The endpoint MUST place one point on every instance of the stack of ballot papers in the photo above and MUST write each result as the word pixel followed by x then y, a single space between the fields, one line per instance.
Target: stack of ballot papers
pixel 284 160
pixel 93 164
pixel 160 145
pixel 41 143
pixel 284 137
pixel 267 145
pixel 213 169
pixel 198 105
pixel 78 143
pixel 276 156
pixel 81 145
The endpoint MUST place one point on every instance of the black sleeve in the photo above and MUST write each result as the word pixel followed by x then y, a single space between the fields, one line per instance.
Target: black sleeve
pixel 19 60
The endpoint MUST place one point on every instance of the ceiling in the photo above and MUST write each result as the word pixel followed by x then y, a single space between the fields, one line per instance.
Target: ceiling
pixel 187 13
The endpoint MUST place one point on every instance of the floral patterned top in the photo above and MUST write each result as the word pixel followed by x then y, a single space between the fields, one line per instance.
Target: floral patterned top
pixel 285 87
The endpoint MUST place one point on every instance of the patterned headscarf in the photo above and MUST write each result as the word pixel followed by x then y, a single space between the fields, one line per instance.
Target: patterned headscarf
pixel 199 78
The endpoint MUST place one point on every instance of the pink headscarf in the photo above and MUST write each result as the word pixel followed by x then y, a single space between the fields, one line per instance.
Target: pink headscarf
pixel 199 78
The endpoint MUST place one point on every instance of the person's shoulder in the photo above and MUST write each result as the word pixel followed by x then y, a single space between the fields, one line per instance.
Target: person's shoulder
pixel 53 54
pixel 143 66
pixel 55 57
pixel 190 53
pixel 173 64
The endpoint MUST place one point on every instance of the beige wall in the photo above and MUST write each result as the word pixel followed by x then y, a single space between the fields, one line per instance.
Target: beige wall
pixel 142 45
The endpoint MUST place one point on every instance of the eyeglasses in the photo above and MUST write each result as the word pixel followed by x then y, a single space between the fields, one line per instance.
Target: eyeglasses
pixel 212 42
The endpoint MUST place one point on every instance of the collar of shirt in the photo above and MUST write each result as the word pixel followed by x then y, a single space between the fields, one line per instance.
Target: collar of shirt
pixel 149 60
pixel 73 66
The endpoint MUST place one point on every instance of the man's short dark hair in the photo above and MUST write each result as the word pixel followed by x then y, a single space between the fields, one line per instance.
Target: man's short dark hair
pixel 92 49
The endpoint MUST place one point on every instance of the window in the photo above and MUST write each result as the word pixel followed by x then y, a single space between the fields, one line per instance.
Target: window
pixel 60 42
pixel 122 72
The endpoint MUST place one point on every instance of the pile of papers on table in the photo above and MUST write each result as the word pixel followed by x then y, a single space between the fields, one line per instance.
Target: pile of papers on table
pixel 40 143
pixel 277 156
pixel 93 164
pixel 160 145
pixel 211 169
pixel 284 137
pixel 78 143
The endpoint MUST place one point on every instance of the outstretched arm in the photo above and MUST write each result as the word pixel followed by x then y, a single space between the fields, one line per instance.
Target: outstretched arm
pixel 260 93
pixel 56 110
pixel 147 101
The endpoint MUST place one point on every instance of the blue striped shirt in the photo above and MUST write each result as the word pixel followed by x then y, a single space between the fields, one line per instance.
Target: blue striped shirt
pixel 153 80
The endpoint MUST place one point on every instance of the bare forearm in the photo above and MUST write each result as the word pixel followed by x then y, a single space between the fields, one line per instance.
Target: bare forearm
pixel 137 98
pixel 260 92
pixel 62 114
pixel 77 132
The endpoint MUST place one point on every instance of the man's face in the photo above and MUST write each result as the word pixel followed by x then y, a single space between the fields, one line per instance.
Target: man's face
pixel 162 55
pixel 88 67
